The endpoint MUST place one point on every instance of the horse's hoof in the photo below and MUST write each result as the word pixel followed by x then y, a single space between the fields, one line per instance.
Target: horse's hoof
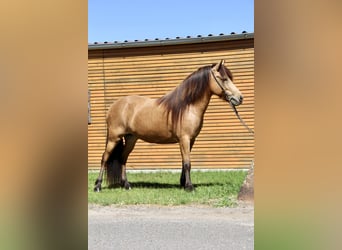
pixel 189 188
pixel 97 189
pixel 127 185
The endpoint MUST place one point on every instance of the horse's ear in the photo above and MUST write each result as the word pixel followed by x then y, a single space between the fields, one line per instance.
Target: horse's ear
pixel 219 65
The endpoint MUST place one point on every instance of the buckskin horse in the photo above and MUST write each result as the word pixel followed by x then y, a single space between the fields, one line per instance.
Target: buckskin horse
pixel 176 117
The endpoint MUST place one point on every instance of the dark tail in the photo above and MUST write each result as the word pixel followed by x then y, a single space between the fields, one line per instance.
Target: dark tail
pixel 114 165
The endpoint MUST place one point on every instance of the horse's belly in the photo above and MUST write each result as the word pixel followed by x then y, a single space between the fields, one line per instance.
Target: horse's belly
pixel 149 123
pixel 153 132
pixel 157 139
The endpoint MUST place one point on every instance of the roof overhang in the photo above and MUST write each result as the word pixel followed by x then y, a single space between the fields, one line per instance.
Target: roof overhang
pixel 165 42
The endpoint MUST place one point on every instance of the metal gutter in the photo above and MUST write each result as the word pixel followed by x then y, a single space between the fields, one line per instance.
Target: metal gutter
pixel 165 42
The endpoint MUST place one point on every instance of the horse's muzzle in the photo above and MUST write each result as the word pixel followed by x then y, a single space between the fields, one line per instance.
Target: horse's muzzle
pixel 236 101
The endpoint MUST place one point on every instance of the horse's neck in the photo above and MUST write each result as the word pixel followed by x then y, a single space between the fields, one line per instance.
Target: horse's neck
pixel 202 105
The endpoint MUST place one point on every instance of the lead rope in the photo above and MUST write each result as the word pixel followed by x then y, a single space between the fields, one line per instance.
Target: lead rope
pixel 236 112
pixel 243 123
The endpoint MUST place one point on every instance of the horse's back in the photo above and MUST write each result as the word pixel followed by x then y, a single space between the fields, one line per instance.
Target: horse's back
pixel 124 107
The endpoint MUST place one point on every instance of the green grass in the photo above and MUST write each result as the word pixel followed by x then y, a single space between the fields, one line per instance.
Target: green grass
pixel 218 189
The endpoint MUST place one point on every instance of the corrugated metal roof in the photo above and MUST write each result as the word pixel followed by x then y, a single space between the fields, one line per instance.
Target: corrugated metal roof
pixel 170 41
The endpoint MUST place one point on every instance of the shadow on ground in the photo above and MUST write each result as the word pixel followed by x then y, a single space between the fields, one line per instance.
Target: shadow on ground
pixel 156 185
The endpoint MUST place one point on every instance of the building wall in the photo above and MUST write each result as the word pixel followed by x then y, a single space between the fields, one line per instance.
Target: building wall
pixel 154 71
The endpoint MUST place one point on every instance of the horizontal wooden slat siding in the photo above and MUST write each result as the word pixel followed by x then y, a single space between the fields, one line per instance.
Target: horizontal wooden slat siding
pixel 154 71
pixel 97 128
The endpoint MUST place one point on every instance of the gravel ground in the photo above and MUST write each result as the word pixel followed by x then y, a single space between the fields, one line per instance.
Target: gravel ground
pixel 180 227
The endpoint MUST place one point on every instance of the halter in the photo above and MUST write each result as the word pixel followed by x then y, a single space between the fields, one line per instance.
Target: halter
pixel 228 98
pixel 227 95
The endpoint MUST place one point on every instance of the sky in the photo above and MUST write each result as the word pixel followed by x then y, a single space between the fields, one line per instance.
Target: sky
pixel 120 20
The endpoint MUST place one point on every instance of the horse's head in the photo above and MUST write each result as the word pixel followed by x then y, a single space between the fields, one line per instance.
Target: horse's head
pixel 221 84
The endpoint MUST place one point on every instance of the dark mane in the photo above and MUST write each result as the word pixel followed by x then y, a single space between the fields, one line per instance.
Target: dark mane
pixel 192 89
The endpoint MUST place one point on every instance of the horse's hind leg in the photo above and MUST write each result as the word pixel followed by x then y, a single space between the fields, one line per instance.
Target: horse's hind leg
pixel 111 143
pixel 130 141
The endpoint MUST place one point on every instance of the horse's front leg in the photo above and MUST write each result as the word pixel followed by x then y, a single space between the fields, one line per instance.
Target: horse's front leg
pixel 185 148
